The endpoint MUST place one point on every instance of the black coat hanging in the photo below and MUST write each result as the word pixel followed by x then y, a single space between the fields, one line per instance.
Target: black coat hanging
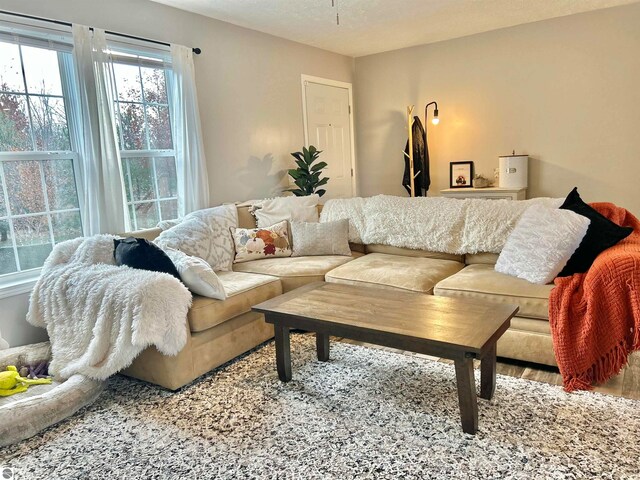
pixel 420 161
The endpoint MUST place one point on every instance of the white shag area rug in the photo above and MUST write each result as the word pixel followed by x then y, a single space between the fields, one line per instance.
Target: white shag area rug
pixel 365 414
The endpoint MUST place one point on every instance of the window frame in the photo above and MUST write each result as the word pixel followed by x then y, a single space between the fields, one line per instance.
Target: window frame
pixel 22 280
pixel 125 155
pixel 142 58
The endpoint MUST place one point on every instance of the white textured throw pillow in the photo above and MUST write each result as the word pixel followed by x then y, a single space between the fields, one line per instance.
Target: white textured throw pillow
pixel 329 238
pixel 541 244
pixel 296 209
pixel 205 234
pixel 197 275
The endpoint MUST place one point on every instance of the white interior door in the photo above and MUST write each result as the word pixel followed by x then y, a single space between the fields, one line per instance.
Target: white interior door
pixel 328 128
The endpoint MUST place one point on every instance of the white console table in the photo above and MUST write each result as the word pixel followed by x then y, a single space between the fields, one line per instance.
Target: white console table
pixel 489 193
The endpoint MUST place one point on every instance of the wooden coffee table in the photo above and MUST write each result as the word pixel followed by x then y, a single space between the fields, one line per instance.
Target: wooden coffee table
pixel 453 328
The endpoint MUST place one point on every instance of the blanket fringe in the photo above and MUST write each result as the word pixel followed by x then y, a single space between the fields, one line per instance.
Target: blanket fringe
pixel 609 365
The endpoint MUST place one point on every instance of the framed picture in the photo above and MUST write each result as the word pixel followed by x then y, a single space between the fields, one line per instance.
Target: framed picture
pixel 460 174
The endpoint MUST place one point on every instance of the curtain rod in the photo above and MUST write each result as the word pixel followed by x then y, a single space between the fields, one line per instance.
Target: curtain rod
pixel 195 50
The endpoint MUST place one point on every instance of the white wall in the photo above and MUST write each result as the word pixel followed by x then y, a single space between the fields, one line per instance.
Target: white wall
pixel 13 325
pixel 565 91
pixel 248 92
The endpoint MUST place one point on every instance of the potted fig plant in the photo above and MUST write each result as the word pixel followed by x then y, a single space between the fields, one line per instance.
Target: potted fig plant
pixel 307 176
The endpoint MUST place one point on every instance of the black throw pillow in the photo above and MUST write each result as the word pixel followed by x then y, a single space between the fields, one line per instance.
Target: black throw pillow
pixel 144 255
pixel 601 234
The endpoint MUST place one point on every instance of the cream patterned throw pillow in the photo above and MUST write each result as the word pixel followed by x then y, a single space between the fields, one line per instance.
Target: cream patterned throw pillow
pixel 205 234
pixel 260 243
pixel 328 238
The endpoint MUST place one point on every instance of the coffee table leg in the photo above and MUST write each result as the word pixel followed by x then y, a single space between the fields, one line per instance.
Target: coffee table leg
pixel 488 374
pixel 467 395
pixel 283 352
pixel 322 346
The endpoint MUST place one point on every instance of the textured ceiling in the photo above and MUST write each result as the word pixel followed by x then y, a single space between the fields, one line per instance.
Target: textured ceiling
pixel 372 26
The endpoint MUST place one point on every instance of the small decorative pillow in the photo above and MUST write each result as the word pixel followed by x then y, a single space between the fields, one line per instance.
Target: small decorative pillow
pixel 259 243
pixel 204 234
pixel 197 275
pixel 142 254
pixel 601 234
pixel 296 209
pixel 329 238
pixel 541 243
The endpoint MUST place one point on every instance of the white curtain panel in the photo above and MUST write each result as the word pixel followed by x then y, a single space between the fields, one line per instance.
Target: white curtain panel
pixel 104 205
pixel 191 164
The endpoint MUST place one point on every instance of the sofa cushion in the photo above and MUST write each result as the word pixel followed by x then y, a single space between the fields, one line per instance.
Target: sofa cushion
pixel 295 271
pixel 244 290
pixel 245 217
pixel 416 274
pixel 482 282
pixel 484 258
pixel 531 325
pixel 410 252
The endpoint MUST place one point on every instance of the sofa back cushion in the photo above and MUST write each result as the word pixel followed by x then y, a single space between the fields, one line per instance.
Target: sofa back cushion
pixel 408 252
pixel 481 258
pixel 246 218
pixel 148 233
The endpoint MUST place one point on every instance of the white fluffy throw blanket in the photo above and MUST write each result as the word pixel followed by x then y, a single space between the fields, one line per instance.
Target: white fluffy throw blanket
pixel 100 316
pixel 456 226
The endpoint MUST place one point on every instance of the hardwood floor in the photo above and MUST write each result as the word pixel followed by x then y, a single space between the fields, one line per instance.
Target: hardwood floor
pixel 626 384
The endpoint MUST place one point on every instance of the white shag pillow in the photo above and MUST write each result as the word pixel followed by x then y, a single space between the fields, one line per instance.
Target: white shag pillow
pixel 328 238
pixel 295 209
pixel 541 244
pixel 197 275
pixel 205 234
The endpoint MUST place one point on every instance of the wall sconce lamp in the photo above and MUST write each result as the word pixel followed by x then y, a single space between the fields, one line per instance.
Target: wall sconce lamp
pixel 435 120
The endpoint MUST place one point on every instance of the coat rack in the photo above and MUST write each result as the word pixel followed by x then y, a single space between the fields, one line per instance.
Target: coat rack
pixel 412 174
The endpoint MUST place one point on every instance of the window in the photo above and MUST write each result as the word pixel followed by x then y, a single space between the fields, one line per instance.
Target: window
pixel 38 195
pixel 146 146
pixel 41 188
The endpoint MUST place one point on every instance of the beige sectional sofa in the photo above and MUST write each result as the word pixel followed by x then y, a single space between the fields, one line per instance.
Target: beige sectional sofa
pixel 220 330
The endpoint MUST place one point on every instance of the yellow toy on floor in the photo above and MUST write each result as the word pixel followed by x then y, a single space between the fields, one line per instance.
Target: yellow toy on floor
pixel 11 382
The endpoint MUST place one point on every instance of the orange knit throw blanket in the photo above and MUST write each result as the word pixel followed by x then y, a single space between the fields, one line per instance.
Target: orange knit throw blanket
pixel 595 316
